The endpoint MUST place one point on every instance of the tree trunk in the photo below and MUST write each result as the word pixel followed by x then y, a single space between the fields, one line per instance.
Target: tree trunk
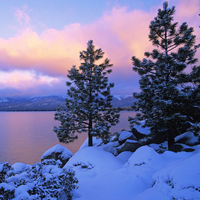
pixel 90 143
pixel 171 140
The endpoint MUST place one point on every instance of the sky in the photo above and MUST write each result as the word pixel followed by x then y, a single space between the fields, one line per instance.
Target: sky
pixel 41 40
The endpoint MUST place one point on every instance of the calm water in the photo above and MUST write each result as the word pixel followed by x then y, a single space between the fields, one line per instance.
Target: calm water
pixel 25 136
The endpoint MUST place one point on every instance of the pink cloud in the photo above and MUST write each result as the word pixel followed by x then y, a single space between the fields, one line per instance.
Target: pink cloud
pixel 25 79
pixel 120 33
pixel 23 83
pixel 54 52
pixel 22 17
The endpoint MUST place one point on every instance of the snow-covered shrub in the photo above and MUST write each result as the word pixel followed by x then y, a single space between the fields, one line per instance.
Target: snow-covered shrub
pixel 4 168
pixel 7 191
pixel 43 180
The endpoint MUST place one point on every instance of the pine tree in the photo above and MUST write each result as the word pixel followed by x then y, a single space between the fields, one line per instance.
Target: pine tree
pixel 165 99
pixel 88 106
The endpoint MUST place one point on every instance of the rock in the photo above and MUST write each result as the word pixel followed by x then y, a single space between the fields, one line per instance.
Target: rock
pixel 124 135
pixel 159 148
pixel 111 147
pixel 187 138
pixel 176 148
pixel 115 137
pixel 137 134
pixel 188 149
pixel 141 129
pixel 58 152
pixel 129 145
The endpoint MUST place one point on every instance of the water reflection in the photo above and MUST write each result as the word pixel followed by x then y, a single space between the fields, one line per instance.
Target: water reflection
pixel 25 136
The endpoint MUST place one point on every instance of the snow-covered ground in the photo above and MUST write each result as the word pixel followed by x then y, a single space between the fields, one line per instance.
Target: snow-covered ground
pixel 142 175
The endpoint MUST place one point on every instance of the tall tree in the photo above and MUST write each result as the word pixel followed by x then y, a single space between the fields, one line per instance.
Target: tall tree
pixel 88 106
pixel 164 101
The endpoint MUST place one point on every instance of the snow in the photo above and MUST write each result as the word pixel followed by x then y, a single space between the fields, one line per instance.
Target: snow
pixel 108 179
pixel 145 155
pixel 124 156
pixel 121 97
pixel 132 141
pixel 65 153
pixel 110 147
pixel 178 181
pixel 3 100
pixel 143 130
pixel 140 175
pixel 125 135
pixel 144 174
pixel 96 142
pixel 191 139
pixel 97 157
pixel 6 186
pixel 19 167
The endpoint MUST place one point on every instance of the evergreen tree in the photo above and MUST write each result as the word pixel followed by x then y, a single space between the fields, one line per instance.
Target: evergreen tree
pixel 166 101
pixel 88 106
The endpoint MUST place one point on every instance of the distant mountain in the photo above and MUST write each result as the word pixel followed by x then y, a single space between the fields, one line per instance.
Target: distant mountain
pixel 50 103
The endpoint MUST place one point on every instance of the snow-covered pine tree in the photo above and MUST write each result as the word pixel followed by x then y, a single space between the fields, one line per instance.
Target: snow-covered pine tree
pixel 88 106
pixel 164 101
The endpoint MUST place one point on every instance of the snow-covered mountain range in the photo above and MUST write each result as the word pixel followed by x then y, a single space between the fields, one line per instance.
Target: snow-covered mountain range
pixel 50 103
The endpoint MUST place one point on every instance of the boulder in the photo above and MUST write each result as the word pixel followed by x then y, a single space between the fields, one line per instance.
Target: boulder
pixel 188 149
pixel 181 147
pixel 176 148
pixel 129 145
pixel 137 134
pixel 110 147
pixel 187 138
pixel 125 135
pixel 58 152
pixel 115 137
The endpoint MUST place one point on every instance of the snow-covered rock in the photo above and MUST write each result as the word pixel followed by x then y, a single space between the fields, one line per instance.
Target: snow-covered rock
pixel 105 177
pixel 126 176
pixel 137 134
pixel 129 145
pixel 187 138
pixel 141 175
pixel 179 181
pixel 144 155
pixel 110 147
pixel 143 130
pixel 124 135
pixel 58 152
pixel 94 157
pixel 178 147
pixel 115 137
pixel 159 148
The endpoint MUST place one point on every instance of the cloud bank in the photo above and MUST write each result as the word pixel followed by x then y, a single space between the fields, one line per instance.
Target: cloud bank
pixel 47 56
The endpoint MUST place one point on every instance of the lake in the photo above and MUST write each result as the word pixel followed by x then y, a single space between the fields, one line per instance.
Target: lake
pixel 25 136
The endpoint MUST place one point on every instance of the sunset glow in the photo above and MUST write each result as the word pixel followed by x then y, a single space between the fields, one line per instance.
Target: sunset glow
pixel 37 49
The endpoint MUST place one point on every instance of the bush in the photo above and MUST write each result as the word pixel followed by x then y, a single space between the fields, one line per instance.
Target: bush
pixel 43 180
